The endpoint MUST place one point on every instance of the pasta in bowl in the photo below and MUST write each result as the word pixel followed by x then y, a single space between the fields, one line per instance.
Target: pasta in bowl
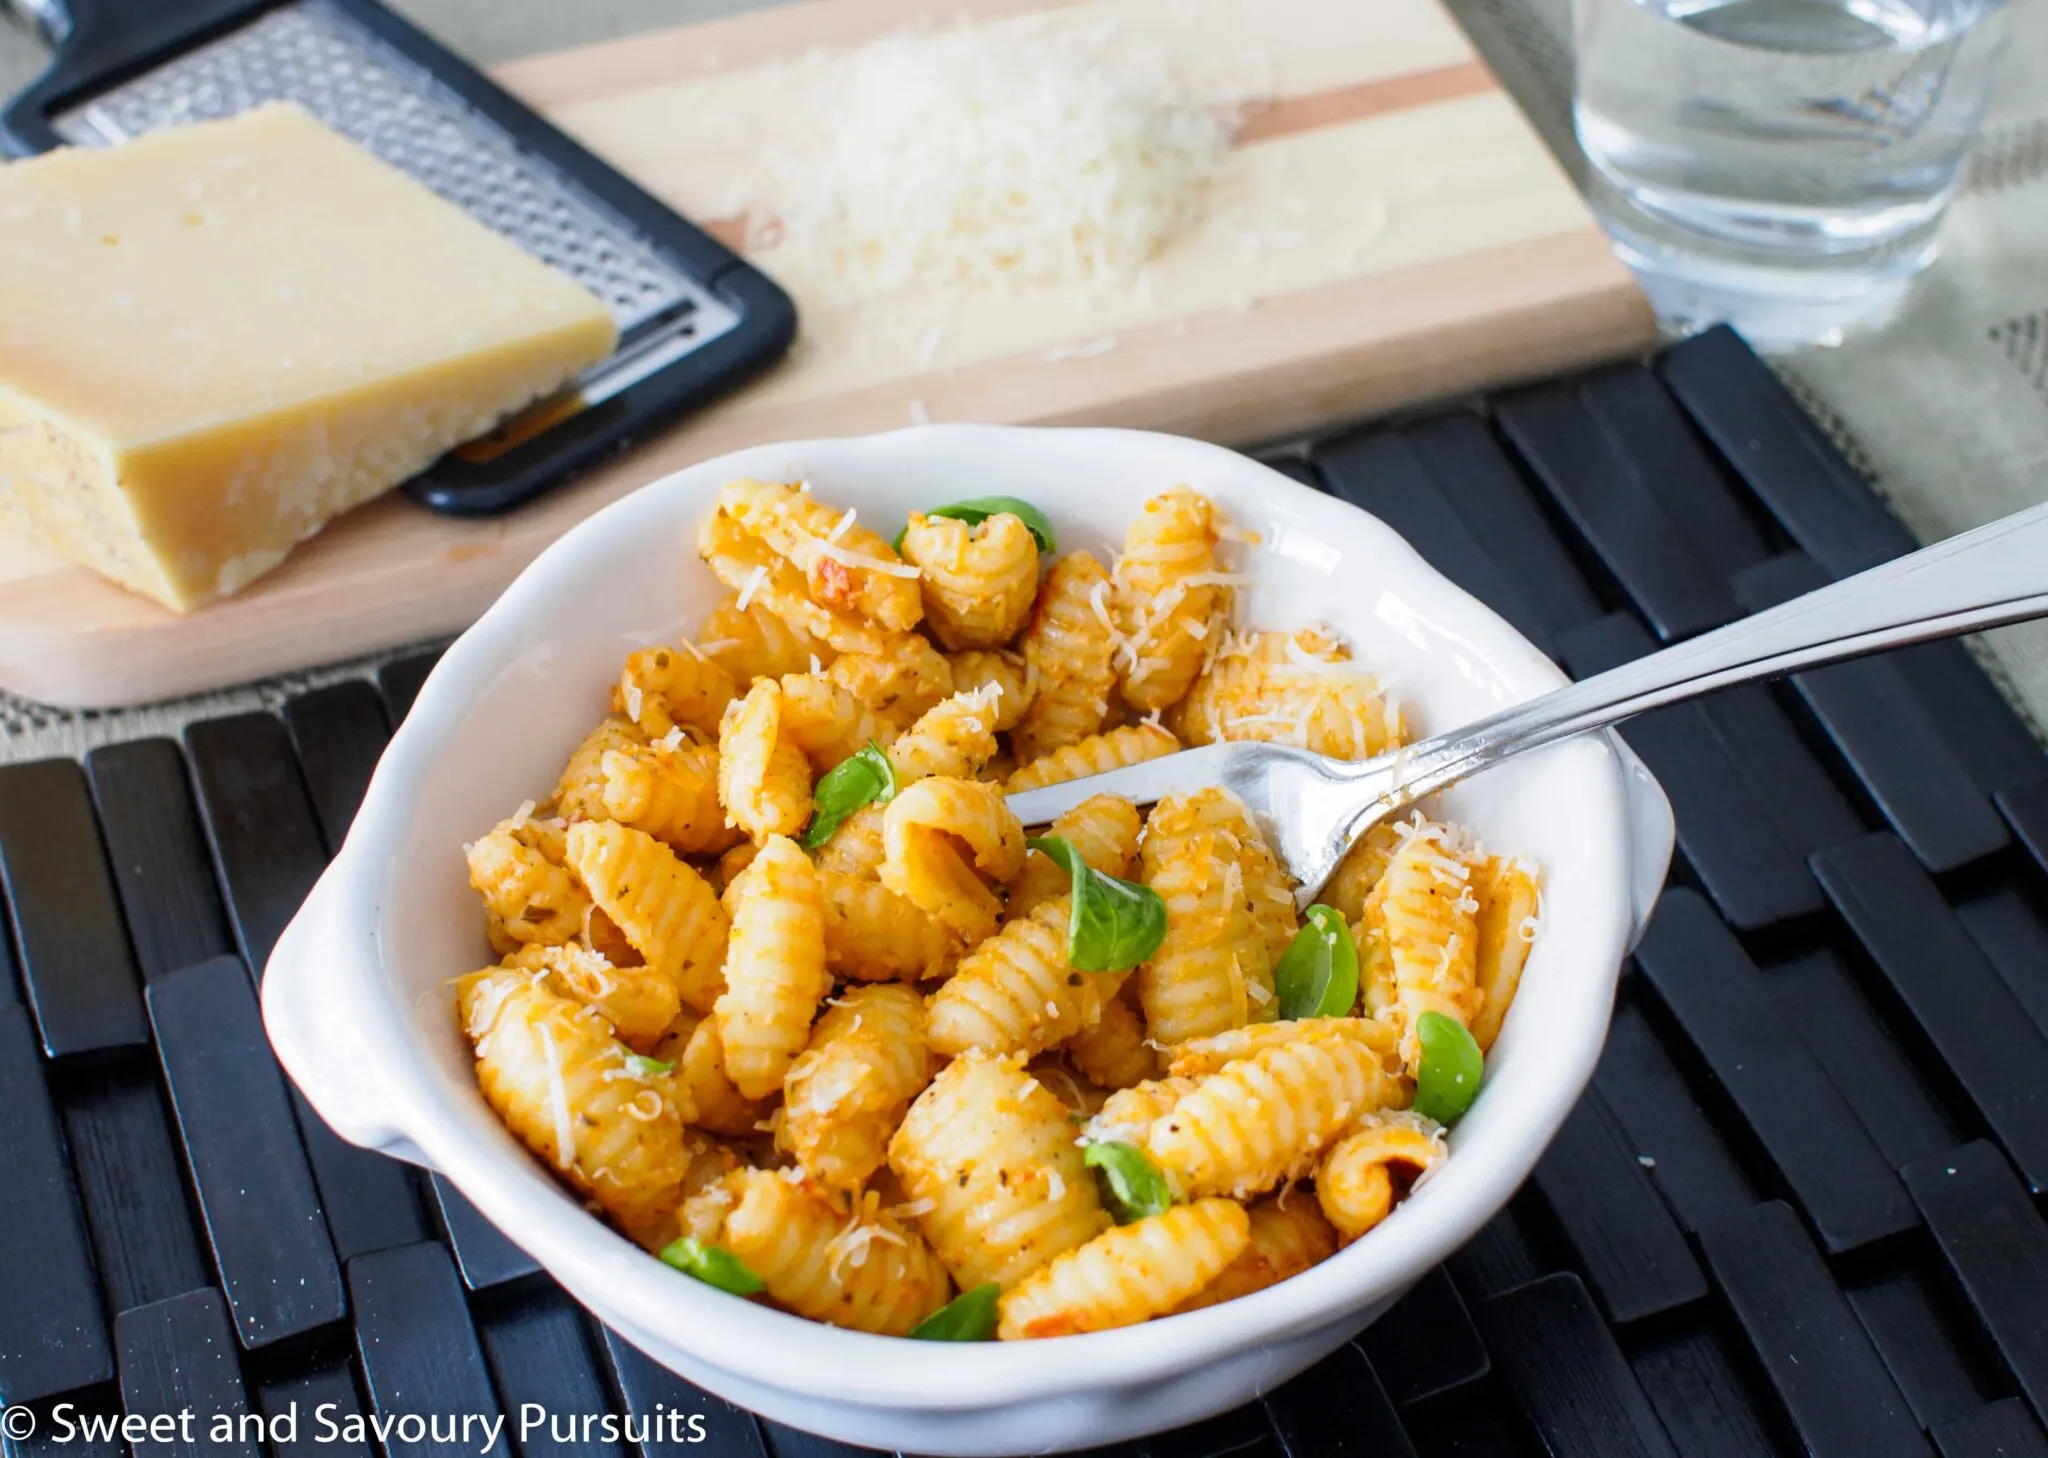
pixel 906 1075
pixel 773 980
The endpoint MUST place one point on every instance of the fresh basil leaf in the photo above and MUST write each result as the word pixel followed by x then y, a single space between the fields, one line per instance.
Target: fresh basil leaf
pixel 1451 1071
pixel 981 508
pixel 1112 924
pixel 865 777
pixel 968 1317
pixel 1135 1187
pixel 1317 976
pixel 711 1265
pixel 641 1066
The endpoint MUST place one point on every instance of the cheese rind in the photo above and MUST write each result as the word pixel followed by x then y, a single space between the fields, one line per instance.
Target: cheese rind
pixel 213 340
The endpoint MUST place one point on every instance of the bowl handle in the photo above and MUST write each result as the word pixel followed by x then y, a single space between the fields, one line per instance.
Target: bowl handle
pixel 318 1037
pixel 1651 834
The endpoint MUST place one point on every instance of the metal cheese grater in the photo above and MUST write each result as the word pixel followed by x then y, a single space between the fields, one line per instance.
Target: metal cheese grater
pixel 693 318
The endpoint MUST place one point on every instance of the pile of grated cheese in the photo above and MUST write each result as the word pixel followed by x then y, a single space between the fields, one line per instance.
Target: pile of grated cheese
pixel 993 157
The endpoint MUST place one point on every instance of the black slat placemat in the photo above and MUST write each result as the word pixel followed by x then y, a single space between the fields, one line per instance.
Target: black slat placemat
pixel 1798 1212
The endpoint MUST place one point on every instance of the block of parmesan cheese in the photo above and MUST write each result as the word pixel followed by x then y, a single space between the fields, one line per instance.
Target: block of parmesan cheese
pixel 213 340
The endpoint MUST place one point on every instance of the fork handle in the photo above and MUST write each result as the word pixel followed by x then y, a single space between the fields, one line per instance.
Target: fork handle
pixel 1985 578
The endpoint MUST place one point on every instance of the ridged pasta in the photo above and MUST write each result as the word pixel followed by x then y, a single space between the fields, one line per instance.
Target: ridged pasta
pixel 1007 672
pixel 1360 871
pixel 662 688
pixel 1098 754
pixel 900 680
pixel 602 935
pixel 774 967
pixel 763 779
pixel 667 1034
pixel 671 793
pixel 708 1160
pixel 846 567
pixel 1297 688
pixel 978 581
pixel 1195 984
pixel 639 1002
pixel 870 1273
pixel 579 793
pixel 751 642
pixel 693 1046
pixel 1103 828
pixel 1169 598
pixel 847 1091
pixel 761 578
pixel 1286 1234
pixel 987 1153
pixel 1376 1162
pixel 1127 1116
pixel 1083 1097
pixel 1253 875
pixel 1509 904
pixel 1260 1120
pixel 722 871
pixel 1420 925
pixel 874 935
pixel 552 1071
pixel 1016 992
pixel 1269 893
pixel 855 848
pixel 824 721
pixel 1127 1275
pixel 1068 644
pixel 517 869
pixel 940 838
pixel 1206 1055
pixel 1112 1052
pixel 952 740
pixel 662 907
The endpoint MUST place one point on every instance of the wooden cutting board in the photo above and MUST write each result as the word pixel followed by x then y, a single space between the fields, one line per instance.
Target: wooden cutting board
pixel 1387 229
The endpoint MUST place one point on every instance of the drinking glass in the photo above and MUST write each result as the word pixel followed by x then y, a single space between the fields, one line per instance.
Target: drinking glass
pixel 1781 165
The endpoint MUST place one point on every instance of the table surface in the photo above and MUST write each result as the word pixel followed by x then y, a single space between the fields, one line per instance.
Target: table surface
pixel 1946 412
pixel 1799 1211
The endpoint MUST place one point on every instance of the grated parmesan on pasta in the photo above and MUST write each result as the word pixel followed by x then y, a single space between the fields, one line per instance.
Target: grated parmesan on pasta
pixel 860 561
pixel 664 1001
pixel 558 1099
pixel 753 585
pixel 1098 603
pixel 850 1246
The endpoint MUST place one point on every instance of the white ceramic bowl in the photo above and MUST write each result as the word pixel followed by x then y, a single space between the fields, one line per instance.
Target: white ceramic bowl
pixel 358 1001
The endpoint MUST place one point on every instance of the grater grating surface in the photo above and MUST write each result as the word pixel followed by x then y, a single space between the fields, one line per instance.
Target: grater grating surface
pixel 317 56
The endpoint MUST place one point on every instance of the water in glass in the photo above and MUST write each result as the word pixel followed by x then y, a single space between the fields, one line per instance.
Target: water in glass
pixel 1781 164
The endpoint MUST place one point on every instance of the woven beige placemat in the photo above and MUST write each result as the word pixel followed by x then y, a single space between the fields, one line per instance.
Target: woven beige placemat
pixel 1947 411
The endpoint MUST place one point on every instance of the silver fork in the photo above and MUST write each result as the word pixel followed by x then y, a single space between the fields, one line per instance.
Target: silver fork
pixel 1316 808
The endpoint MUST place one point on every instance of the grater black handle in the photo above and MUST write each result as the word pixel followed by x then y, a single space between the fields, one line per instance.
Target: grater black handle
pixel 95 41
